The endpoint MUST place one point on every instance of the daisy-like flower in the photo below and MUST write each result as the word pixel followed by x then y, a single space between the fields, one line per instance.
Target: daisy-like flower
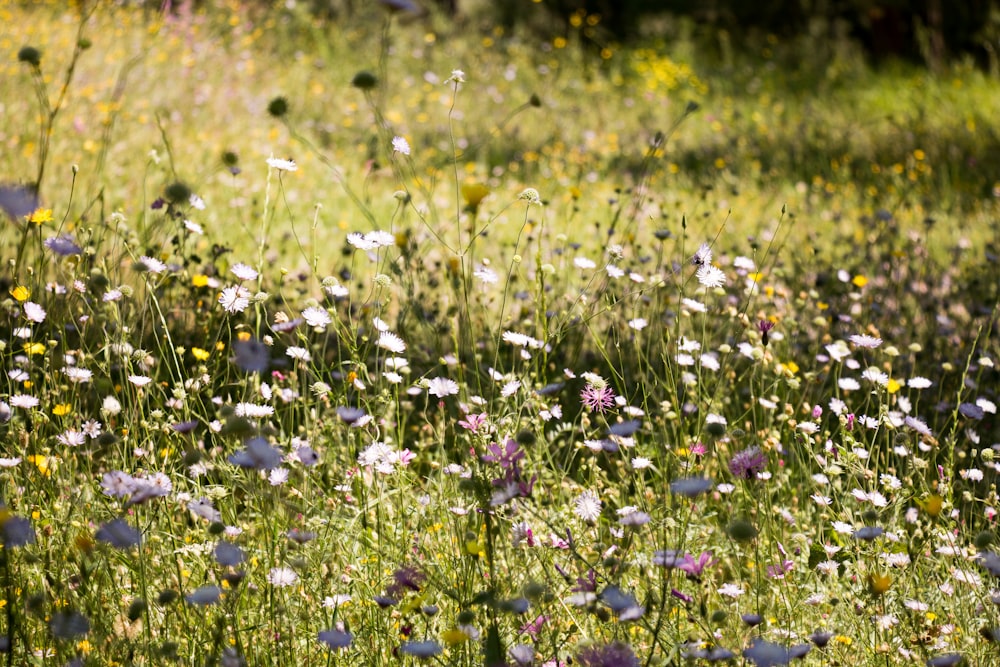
pixel 281 165
pixel 711 276
pixel 244 272
pixel 152 264
pixel 278 476
pixel 694 306
pixel 731 590
pixel 866 341
pixel 139 380
pixel 316 317
pixel 253 411
pixel 391 342
pixel 72 438
pixel 193 227
pixel 235 299
pixel 875 376
pixel 371 240
pixel 33 312
pixel 442 387
pixel 281 577
pixel 77 375
pixel 703 255
pixel 486 275
pixel 587 506
pixel 918 383
pixel 400 145
pixel 300 353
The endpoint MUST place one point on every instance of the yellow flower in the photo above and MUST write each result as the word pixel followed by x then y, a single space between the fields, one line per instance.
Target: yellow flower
pixel 62 409
pixel 200 354
pixel 199 280
pixel 43 463
pixel 893 386
pixel 454 637
pixel 933 505
pixel 41 215
pixel 473 194
pixel 34 348
pixel 859 281
pixel 20 293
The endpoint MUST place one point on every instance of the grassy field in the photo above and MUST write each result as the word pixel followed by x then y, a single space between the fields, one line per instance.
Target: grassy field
pixel 396 340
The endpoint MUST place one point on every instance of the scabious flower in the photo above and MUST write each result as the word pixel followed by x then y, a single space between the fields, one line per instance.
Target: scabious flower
pixel 587 506
pixel 616 654
pixel 748 463
pixel 400 145
pixel 281 577
pixel 316 317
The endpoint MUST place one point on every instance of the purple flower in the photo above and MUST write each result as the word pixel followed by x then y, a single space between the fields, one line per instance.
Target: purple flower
pixel 616 654
pixel 748 463
pixel 506 456
pixel 693 567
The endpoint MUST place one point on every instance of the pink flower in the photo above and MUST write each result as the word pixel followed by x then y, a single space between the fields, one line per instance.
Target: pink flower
pixel 473 422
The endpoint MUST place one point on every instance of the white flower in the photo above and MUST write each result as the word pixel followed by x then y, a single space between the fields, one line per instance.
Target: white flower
pixel 711 276
pixel 244 272
pixel 510 389
pixel 391 342
pixel 587 506
pixel 334 601
pixel 252 410
pixel 316 317
pixel 282 576
pixel 457 76
pixel 694 306
pixel 139 380
pixel 371 240
pixel 152 264
pixel 442 387
pixel 638 323
pixel 584 263
pixel 848 384
pixel 235 299
pixel 278 476
pixel 400 145
pixel 300 353
pixel 703 255
pixel 866 341
pixel 78 375
pixel 875 376
pixel 731 590
pixel 486 275
pixel 33 312
pixel 193 227
pixel 281 165
pixel 196 202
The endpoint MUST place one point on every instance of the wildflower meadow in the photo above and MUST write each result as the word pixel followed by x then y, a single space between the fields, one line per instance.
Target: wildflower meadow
pixel 396 338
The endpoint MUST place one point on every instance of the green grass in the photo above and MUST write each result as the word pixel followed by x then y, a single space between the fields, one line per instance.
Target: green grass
pixel 493 433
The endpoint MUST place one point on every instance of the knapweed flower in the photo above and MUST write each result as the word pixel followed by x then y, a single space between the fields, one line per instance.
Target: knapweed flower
pixel 764 327
pixel 748 463
pixel 597 396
